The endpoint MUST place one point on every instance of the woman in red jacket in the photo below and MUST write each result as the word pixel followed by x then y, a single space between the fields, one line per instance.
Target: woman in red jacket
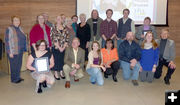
pixel 40 31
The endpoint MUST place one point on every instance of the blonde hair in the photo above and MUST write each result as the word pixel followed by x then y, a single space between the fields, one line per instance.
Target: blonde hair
pixel 82 15
pixel 67 20
pixel 154 44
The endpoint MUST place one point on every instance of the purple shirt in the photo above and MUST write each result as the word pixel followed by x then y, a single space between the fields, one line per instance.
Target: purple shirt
pixel 146 27
pixel 96 61
pixel 108 28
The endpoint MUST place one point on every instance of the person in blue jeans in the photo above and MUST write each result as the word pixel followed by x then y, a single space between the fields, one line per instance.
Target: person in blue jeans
pixel 149 58
pixel 130 54
pixel 94 65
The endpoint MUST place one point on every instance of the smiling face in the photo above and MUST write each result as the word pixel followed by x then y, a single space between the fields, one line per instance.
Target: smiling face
pixel 95 46
pixel 109 14
pixel 94 14
pixel 149 37
pixel 58 20
pixel 82 18
pixel 75 43
pixel 16 21
pixel 125 14
pixel 130 36
pixel 147 22
pixel 164 34
pixel 42 46
pixel 41 19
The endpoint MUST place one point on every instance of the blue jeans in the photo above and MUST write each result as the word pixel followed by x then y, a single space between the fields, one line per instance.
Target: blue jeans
pixel 95 75
pixel 128 73
pixel 103 43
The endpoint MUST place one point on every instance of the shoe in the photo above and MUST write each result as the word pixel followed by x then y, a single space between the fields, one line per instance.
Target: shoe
pixel 20 80
pixel 67 85
pixel 166 81
pixel 105 76
pixel 56 78
pixel 44 84
pixel 135 82
pixel 76 80
pixel 115 79
pixel 39 88
pixel 93 82
pixel 62 77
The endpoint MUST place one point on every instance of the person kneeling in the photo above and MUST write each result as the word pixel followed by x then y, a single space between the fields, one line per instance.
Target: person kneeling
pixel 45 79
pixel 110 59
pixel 74 62
pixel 93 67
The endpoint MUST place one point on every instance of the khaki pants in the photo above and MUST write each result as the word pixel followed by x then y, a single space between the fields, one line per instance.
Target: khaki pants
pixel 67 69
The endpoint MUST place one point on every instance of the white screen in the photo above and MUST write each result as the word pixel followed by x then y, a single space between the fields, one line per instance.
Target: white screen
pixel 139 9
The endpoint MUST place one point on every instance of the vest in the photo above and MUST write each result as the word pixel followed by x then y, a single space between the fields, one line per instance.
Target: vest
pixel 124 28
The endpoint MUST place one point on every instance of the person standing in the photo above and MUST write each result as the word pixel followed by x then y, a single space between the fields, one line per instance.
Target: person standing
pixel 167 55
pixel 142 30
pixel 46 21
pixel 15 44
pixel 95 22
pixel 74 19
pixel 60 39
pixel 108 28
pixel 40 31
pixel 125 24
pixel 84 34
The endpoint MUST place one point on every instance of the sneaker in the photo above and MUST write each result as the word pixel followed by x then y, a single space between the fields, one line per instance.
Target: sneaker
pixel 135 82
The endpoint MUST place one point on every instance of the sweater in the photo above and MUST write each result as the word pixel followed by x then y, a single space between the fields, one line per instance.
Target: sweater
pixel 149 57
pixel 37 33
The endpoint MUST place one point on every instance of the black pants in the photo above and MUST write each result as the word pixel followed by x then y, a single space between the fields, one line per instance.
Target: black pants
pixel 113 70
pixel 15 67
pixel 158 73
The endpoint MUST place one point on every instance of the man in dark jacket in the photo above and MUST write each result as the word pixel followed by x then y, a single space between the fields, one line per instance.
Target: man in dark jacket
pixel 130 54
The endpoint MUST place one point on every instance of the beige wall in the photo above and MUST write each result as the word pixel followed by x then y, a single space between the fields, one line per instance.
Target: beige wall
pixel 29 9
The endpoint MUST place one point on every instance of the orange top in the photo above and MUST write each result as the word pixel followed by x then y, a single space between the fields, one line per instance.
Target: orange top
pixel 112 55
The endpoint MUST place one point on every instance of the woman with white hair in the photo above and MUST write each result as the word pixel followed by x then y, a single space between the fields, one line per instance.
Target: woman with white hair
pixel 84 34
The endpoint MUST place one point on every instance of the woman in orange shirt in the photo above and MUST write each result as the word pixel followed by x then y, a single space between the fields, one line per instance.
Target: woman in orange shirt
pixel 110 59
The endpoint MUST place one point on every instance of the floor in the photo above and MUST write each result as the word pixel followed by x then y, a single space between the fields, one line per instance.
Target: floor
pixel 84 93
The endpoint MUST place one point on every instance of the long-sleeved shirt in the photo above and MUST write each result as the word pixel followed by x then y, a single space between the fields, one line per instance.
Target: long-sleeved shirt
pixel 129 51
pixel 108 56
pixel 149 57
pixel 108 28
pixel 84 34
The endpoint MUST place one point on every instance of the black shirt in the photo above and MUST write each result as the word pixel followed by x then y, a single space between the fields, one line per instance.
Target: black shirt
pixel 162 47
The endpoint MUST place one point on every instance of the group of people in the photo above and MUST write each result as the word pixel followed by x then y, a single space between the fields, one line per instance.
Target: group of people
pixel 69 45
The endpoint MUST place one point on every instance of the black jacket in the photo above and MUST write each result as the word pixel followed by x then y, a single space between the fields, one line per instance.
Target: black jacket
pixel 128 52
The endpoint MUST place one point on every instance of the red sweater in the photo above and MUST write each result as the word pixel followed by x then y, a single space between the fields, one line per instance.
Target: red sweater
pixel 37 33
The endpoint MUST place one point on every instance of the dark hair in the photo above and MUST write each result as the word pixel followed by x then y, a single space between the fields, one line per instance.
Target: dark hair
pixel 109 40
pixel 126 10
pixel 147 18
pixel 74 16
pixel 38 43
pixel 109 10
